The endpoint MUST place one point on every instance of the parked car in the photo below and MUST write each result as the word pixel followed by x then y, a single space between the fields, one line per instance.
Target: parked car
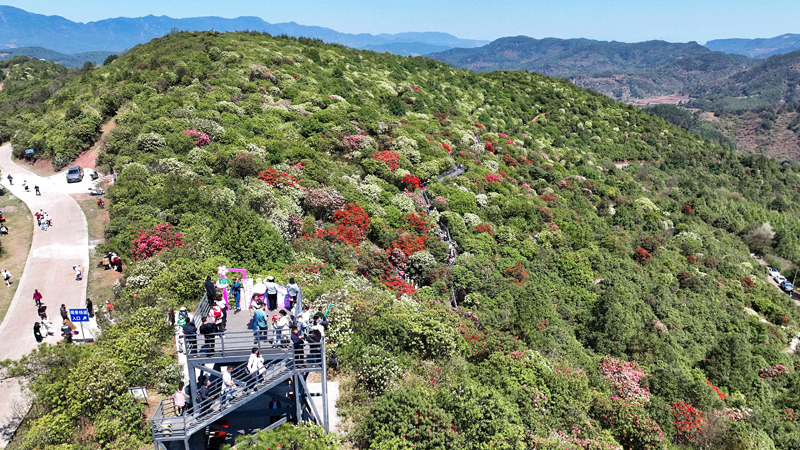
pixel 779 279
pixel 772 272
pixel 75 174
pixel 787 286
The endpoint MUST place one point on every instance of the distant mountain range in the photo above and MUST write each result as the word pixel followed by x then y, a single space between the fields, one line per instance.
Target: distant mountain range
pixel 627 72
pixel 757 48
pixel 75 60
pixel 19 28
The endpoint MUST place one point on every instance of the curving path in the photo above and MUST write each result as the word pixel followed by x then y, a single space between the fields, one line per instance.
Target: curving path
pixel 48 268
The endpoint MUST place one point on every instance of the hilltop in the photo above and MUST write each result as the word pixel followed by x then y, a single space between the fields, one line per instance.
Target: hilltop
pixel 599 258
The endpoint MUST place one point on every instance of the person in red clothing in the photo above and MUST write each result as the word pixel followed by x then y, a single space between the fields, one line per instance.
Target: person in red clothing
pixel 37 297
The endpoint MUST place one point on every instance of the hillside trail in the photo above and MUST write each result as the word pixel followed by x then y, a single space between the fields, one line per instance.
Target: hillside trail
pixel 48 268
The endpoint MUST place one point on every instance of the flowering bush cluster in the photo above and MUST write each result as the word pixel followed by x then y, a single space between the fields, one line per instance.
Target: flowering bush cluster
pixel 355 142
pixel 735 414
pixel 377 370
pixel 277 179
pixel 447 147
pixel 773 371
pixel 200 139
pixel 391 159
pixel 411 182
pixel 688 419
pixel 624 378
pixel 351 225
pixel 629 422
pixel 151 241
pixel 642 256
pixel 716 389
pixel 517 273
pixel 242 166
pixel 492 178
pixel 324 201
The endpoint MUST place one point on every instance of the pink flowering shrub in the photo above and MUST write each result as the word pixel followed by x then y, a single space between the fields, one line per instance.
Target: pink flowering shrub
pixel 624 378
pixel 492 178
pixel 295 225
pixel 773 371
pixel 324 201
pixel 200 139
pixel 735 414
pixel 353 142
pixel 151 241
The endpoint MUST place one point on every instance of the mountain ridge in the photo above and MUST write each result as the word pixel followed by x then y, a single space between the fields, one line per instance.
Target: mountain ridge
pixel 759 47
pixel 22 28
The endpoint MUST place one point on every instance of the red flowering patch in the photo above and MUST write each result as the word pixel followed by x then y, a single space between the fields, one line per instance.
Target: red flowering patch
pixel 687 209
pixel 409 244
pixel 399 286
pixel 275 178
pixel 691 259
pixel 747 282
pixel 517 273
pixel 351 226
pixel 510 162
pixel 716 389
pixel 391 159
pixel 642 256
pixel 489 147
pixel 151 241
pixel 492 178
pixel 688 419
pixel 548 198
pixel 484 228
pixel 447 147
pixel 411 182
pixel 417 223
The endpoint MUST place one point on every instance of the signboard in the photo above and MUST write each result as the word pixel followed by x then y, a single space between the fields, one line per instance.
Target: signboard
pixel 29 151
pixel 139 393
pixel 79 315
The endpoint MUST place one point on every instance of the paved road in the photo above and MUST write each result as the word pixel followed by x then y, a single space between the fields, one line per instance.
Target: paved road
pixel 48 268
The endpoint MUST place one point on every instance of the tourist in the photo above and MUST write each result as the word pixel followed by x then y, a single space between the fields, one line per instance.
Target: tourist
pixel 297 343
pixel 66 332
pixel 10 180
pixel 39 216
pixel 63 311
pixel 303 319
pixel 284 323
pixel 236 290
pixel 203 394
pixel 190 337
pixel 273 404
pixel 260 323
pixel 211 290
pixel 315 341
pixel 3 230
pixel 223 308
pixel 41 310
pixel 37 297
pixel 228 386
pixel 333 361
pixel 109 308
pixel 183 317
pixel 36 188
pixel 255 366
pixel 179 399
pixel 7 277
pixel 171 316
pixel 48 326
pixel 208 330
pixel 293 290
pixel 215 317
pixel 90 307
pixel 78 272
pixel 107 261
pixel 116 262
pixel 25 185
pixel 272 293
pixel 37 333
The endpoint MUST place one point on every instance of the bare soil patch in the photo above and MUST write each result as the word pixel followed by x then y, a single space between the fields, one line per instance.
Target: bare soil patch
pixel 16 245
pixel 672 99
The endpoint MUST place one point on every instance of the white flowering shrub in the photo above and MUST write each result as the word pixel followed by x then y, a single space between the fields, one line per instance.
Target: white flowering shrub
pixel 645 204
pixel 472 220
pixel 176 166
pixel 207 126
pixel 482 200
pixel 150 142
pixel 340 316
pixel 141 274
pixel 492 165
pixel 400 173
pixel 226 106
pixel 377 370
pixel 221 198
pixel 422 265
pixel 371 191
pixel 403 203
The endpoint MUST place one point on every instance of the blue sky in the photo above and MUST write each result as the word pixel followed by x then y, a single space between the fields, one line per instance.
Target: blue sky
pixel 622 20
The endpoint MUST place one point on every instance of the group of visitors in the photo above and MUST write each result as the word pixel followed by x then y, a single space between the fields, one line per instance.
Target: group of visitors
pixel 112 261
pixel 43 219
pixel 68 329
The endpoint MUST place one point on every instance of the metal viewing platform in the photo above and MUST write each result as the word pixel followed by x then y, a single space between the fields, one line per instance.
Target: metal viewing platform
pixel 264 399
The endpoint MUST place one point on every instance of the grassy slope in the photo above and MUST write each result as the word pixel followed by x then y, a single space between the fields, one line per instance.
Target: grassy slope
pixel 15 246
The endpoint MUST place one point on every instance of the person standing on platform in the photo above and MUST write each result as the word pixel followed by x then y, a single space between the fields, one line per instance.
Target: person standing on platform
pixel 236 290
pixel 211 290
pixel 272 293
pixel 293 289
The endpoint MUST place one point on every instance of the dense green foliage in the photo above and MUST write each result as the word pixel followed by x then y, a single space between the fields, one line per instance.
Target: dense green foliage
pixel 267 151
pixel 691 122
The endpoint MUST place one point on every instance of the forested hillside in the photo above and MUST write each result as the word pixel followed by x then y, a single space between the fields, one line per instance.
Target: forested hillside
pixel 597 307
pixel 624 71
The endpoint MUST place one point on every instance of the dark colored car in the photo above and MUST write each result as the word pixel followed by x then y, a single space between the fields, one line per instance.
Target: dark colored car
pixel 787 286
pixel 75 174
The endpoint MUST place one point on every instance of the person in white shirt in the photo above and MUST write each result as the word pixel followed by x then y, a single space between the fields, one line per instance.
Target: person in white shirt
pixel 284 325
pixel 303 319
pixel 255 365
pixel 293 290
pixel 272 293
pixel 228 386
